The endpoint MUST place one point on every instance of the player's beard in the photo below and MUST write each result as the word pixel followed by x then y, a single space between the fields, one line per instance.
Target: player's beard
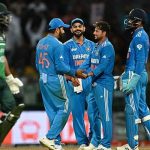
pixel 98 39
pixel 78 35
pixel 62 37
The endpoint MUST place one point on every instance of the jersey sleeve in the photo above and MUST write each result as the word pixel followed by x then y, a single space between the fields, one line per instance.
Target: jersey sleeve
pixel 140 56
pixel 104 60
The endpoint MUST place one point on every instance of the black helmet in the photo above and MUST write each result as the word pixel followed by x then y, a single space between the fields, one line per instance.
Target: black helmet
pixel 4 17
pixel 136 17
pixel 3 9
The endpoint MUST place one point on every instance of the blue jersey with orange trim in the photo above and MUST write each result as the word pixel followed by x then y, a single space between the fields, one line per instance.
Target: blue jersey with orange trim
pixel 101 60
pixel 138 52
pixel 49 57
pixel 77 53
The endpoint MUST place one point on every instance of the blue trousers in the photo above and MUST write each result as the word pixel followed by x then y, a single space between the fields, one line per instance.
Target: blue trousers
pixel 137 100
pixel 104 99
pixel 56 103
pixel 78 105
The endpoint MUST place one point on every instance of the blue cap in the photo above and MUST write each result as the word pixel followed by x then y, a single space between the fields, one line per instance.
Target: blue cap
pixel 57 23
pixel 77 20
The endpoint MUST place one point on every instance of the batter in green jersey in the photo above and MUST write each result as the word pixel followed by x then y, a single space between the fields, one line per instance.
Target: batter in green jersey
pixel 7 100
pixel 8 84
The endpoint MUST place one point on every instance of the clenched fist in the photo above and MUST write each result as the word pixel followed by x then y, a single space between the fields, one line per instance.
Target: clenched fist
pixel 80 74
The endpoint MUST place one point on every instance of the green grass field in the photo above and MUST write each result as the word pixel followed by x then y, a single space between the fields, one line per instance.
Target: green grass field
pixel 37 147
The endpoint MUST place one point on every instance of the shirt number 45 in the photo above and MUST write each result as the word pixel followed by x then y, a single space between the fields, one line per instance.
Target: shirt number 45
pixel 43 60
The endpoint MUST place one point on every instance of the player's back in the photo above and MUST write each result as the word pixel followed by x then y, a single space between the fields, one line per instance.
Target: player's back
pixel 45 58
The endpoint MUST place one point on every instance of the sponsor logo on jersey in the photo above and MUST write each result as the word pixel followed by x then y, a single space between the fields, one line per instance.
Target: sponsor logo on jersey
pixel 139 46
pixel 80 56
pixel 95 61
pixel 78 62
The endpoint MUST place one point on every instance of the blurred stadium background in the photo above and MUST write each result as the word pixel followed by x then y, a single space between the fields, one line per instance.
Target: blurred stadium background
pixel 29 24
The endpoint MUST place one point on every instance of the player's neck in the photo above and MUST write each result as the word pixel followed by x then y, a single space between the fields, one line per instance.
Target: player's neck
pixel 79 40
pixel 102 40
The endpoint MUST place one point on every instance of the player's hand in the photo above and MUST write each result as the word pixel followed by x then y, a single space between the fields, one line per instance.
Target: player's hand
pixel 14 84
pixel 90 74
pixel 80 74
pixel 75 81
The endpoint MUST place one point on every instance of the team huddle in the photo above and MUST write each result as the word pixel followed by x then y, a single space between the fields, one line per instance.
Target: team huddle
pixel 80 72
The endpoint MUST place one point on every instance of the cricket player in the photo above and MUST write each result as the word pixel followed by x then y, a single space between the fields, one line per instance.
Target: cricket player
pixel 135 78
pixel 51 67
pixel 8 84
pixel 77 49
pixel 101 62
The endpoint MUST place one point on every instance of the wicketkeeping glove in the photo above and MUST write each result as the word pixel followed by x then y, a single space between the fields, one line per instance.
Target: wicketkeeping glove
pixel 132 84
pixel 14 84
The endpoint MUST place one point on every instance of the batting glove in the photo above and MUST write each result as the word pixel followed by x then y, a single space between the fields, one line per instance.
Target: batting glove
pixel 14 84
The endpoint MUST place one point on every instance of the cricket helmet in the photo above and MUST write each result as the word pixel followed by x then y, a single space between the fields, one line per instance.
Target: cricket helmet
pixel 4 17
pixel 135 18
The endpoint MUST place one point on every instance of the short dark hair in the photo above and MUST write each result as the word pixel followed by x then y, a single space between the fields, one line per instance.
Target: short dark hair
pixel 103 25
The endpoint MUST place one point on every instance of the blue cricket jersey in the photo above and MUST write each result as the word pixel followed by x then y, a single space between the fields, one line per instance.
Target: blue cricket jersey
pixel 49 57
pixel 138 52
pixel 101 60
pixel 76 53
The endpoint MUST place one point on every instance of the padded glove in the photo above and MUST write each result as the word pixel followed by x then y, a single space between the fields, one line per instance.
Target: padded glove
pixel 129 88
pixel 14 84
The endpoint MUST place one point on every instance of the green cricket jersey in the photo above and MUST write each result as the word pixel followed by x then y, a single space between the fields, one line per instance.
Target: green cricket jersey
pixel 2 58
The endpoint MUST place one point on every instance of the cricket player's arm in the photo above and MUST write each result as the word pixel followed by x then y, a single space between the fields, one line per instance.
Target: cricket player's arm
pixel 7 69
pixel 60 65
pixel 13 83
pixel 140 60
pixel 140 56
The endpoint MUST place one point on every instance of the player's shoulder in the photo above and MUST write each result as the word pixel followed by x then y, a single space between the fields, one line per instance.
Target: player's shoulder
pixel 108 47
pixel 70 41
pixel 107 43
pixel 141 35
pixel 51 40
